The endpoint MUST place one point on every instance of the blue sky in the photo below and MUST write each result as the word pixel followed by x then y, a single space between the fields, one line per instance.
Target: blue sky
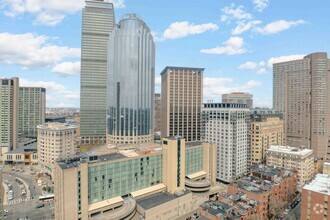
pixel 235 41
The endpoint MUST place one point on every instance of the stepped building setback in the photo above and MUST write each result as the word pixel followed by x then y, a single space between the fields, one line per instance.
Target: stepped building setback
pixel 145 180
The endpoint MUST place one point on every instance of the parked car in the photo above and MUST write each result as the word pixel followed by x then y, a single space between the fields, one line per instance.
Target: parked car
pixel 40 206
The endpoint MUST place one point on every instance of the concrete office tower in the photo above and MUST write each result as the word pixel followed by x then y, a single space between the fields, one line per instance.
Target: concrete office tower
pixel 301 91
pixel 32 109
pixel 239 98
pixel 226 125
pixel 131 82
pixel 315 199
pixel 97 23
pixel 292 158
pixel 266 129
pixel 157 119
pixel 9 91
pixel 55 141
pixel 182 95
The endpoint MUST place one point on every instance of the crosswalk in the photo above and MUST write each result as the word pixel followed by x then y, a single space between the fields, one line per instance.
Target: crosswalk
pixel 16 201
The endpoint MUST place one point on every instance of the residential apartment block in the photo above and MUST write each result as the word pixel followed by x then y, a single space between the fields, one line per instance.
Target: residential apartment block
pixel 32 110
pixel 315 202
pixel 295 159
pixel 238 98
pixel 55 141
pixel 181 101
pixel 150 181
pixel 227 126
pixel 266 129
pixel 301 91
pixel 9 96
pixel 98 21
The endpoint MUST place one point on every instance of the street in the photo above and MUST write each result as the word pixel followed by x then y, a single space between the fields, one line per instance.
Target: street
pixel 25 208
pixel 294 214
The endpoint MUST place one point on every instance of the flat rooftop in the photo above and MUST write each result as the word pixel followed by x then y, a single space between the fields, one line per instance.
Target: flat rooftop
pixel 108 153
pixel 321 184
pixel 289 150
pixel 55 126
pixel 254 184
pixel 180 68
pixel 270 171
pixel 31 148
pixel 158 199
pixel 193 144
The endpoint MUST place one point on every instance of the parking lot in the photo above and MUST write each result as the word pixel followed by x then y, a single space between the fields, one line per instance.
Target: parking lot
pixel 16 191
pixel 23 192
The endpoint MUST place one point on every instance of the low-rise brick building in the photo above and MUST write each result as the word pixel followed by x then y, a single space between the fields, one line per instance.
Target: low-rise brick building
pixel 271 187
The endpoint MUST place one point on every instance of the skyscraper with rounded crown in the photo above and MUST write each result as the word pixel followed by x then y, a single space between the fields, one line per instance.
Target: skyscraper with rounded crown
pixel 131 82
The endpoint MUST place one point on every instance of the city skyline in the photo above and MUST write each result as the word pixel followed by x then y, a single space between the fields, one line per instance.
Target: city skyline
pixel 241 32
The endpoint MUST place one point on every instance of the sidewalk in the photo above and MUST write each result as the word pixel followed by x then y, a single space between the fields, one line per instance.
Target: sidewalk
pixel 5 195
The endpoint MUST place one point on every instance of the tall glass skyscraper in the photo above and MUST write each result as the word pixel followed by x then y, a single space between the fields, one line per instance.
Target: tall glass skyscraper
pixel 97 23
pixel 131 82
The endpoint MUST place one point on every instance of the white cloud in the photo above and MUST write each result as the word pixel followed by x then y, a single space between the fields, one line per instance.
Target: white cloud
pixel 158 81
pixel 262 71
pixel 278 26
pixel 118 3
pixel 49 85
pixel 244 26
pixel 262 63
pixel 215 87
pixel 67 68
pixel 32 51
pixel 55 92
pixel 260 5
pixel 280 59
pixel 264 102
pixel 182 29
pixel 234 45
pixel 47 12
pixel 248 65
pixel 234 13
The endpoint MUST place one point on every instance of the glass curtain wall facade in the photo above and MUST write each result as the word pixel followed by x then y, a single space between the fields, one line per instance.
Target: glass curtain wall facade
pixel 97 23
pixel 131 82
pixel 194 160
pixel 119 178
